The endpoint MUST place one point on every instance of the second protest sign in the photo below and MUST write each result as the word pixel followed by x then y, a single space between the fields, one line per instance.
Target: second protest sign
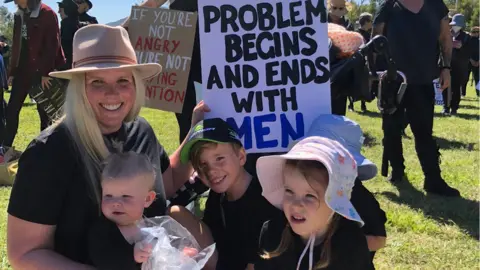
pixel 166 37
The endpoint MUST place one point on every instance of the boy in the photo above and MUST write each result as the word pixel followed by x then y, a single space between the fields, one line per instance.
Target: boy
pixel 235 209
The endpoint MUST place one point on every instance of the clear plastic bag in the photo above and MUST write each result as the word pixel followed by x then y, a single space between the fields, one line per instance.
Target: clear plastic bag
pixel 171 243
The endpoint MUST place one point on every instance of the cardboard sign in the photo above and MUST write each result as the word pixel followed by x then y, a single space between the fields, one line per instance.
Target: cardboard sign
pixel 265 68
pixel 52 98
pixel 166 37
pixel 438 92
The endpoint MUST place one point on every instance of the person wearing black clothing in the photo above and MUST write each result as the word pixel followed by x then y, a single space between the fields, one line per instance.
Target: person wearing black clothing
pixel 235 209
pixel 474 62
pixel 59 172
pixel 83 7
pixel 415 29
pixel 336 14
pixel 365 20
pixel 348 248
pixel 68 27
pixel 461 55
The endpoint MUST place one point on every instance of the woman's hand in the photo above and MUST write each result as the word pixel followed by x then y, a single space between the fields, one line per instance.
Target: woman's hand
pixel 198 112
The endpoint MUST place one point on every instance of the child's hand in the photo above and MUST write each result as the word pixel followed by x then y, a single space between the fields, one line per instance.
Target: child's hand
pixel 198 112
pixel 190 252
pixel 142 251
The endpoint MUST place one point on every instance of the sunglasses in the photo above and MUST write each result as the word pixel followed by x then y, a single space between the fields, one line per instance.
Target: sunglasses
pixel 338 8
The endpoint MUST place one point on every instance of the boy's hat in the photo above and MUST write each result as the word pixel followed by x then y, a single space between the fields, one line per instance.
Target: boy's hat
pixel 350 135
pixel 340 164
pixel 211 130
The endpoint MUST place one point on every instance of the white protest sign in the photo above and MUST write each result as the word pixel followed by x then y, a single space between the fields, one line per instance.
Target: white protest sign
pixel 265 68
pixel 478 86
pixel 438 92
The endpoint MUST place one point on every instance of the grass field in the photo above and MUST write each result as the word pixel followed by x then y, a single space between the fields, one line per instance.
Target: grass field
pixel 424 232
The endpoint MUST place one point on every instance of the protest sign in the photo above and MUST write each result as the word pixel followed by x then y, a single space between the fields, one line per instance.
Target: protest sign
pixel 166 37
pixel 265 68
pixel 438 92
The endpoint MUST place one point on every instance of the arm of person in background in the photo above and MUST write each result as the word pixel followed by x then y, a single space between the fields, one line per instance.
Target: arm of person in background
pixel 178 174
pixel 445 40
pixel 51 42
pixel 147 3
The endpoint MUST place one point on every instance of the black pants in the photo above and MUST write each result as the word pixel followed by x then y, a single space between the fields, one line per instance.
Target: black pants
pixel 339 105
pixel 418 104
pixel 476 77
pixel 19 93
pixel 184 119
pixel 456 90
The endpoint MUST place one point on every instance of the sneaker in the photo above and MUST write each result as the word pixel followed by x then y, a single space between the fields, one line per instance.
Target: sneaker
pixel 441 188
pixel 446 112
pixel 454 112
pixel 364 108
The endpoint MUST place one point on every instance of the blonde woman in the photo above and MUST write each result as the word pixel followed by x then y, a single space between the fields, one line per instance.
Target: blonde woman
pixel 56 194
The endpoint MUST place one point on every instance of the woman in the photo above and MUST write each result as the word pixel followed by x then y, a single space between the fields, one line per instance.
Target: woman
pixel 55 197
pixel 36 51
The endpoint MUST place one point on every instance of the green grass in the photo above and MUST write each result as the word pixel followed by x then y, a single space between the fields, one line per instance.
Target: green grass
pixel 423 232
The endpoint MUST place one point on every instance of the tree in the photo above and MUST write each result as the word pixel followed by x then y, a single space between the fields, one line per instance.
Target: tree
pixel 6 23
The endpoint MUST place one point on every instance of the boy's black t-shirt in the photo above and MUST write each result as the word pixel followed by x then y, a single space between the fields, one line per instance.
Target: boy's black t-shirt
pixel 349 248
pixel 108 249
pixel 52 177
pixel 413 38
pixel 236 225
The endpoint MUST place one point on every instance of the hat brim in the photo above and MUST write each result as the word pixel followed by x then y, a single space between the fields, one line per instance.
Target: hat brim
pixel 366 169
pixel 185 152
pixel 145 71
pixel 270 174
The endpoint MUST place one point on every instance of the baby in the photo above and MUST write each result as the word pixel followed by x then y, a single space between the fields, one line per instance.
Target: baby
pixel 127 189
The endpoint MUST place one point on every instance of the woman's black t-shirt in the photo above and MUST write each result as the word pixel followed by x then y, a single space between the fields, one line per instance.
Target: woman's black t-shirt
pixel 349 248
pixel 51 189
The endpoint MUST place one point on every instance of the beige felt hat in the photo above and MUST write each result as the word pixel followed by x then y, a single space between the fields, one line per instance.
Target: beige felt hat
pixel 100 47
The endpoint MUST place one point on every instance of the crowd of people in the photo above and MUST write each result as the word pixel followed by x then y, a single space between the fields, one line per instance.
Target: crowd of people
pixel 92 175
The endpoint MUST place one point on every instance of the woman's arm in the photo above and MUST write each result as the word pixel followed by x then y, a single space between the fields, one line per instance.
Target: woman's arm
pixel 30 246
pixel 178 174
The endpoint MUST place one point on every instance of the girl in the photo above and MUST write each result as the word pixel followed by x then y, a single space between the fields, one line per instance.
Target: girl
pixel 312 185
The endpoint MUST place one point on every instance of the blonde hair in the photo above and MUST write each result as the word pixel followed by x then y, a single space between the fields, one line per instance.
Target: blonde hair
pixel 79 118
pixel 306 167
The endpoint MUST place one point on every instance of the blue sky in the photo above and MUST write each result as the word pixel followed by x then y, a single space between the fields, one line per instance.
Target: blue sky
pixel 102 9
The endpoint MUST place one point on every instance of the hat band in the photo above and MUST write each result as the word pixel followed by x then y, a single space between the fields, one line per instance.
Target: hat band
pixel 104 59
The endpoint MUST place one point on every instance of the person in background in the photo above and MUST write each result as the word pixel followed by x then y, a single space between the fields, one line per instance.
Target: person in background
pixel 337 10
pixel 461 55
pixel 5 50
pixel 473 65
pixel 365 20
pixel 61 10
pixel 36 51
pixel 83 7
pixel 415 29
pixel 68 27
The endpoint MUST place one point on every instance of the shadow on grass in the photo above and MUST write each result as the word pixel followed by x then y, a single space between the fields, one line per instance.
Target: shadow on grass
pixel 460 115
pixel 371 114
pixel 369 141
pixel 452 144
pixel 470 107
pixel 463 212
